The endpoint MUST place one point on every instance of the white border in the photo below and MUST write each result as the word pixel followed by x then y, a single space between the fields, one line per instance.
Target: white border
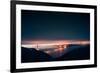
pixel 20 65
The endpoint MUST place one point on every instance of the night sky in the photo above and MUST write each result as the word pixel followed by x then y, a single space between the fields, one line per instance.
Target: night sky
pixel 47 25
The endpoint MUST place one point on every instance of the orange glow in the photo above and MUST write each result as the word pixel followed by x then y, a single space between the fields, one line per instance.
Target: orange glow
pixel 59 44
pixel 62 47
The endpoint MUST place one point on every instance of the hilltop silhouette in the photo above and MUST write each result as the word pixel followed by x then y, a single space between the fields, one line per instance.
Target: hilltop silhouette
pixel 73 52
pixel 32 55
pixel 77 53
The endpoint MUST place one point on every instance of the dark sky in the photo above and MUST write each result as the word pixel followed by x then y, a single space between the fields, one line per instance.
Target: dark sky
pixel 46 25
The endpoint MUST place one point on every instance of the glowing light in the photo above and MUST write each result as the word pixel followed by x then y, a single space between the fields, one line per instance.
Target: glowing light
pixel 61 44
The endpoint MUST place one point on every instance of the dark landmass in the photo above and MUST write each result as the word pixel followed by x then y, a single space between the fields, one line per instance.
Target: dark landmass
pixel 80 53
pixel 74 52
pixel 32 55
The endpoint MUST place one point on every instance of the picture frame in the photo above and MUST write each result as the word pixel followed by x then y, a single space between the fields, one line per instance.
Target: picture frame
pixel 21 8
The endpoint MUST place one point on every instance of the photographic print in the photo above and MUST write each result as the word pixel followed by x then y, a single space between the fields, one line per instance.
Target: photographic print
pixel 54 36
pixel 51 36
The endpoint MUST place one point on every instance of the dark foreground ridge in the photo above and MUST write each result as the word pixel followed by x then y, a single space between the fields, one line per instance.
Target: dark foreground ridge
pixel 33 55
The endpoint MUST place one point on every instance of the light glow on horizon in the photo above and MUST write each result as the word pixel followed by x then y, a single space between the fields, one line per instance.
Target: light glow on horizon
pixel 52 44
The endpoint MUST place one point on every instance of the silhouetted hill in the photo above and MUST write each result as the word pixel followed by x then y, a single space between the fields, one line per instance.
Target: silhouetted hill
pixel 32 55
pixel 77 53
pixel 73 52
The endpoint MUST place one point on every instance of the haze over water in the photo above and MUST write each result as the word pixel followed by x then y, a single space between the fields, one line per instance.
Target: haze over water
pixel 53 48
